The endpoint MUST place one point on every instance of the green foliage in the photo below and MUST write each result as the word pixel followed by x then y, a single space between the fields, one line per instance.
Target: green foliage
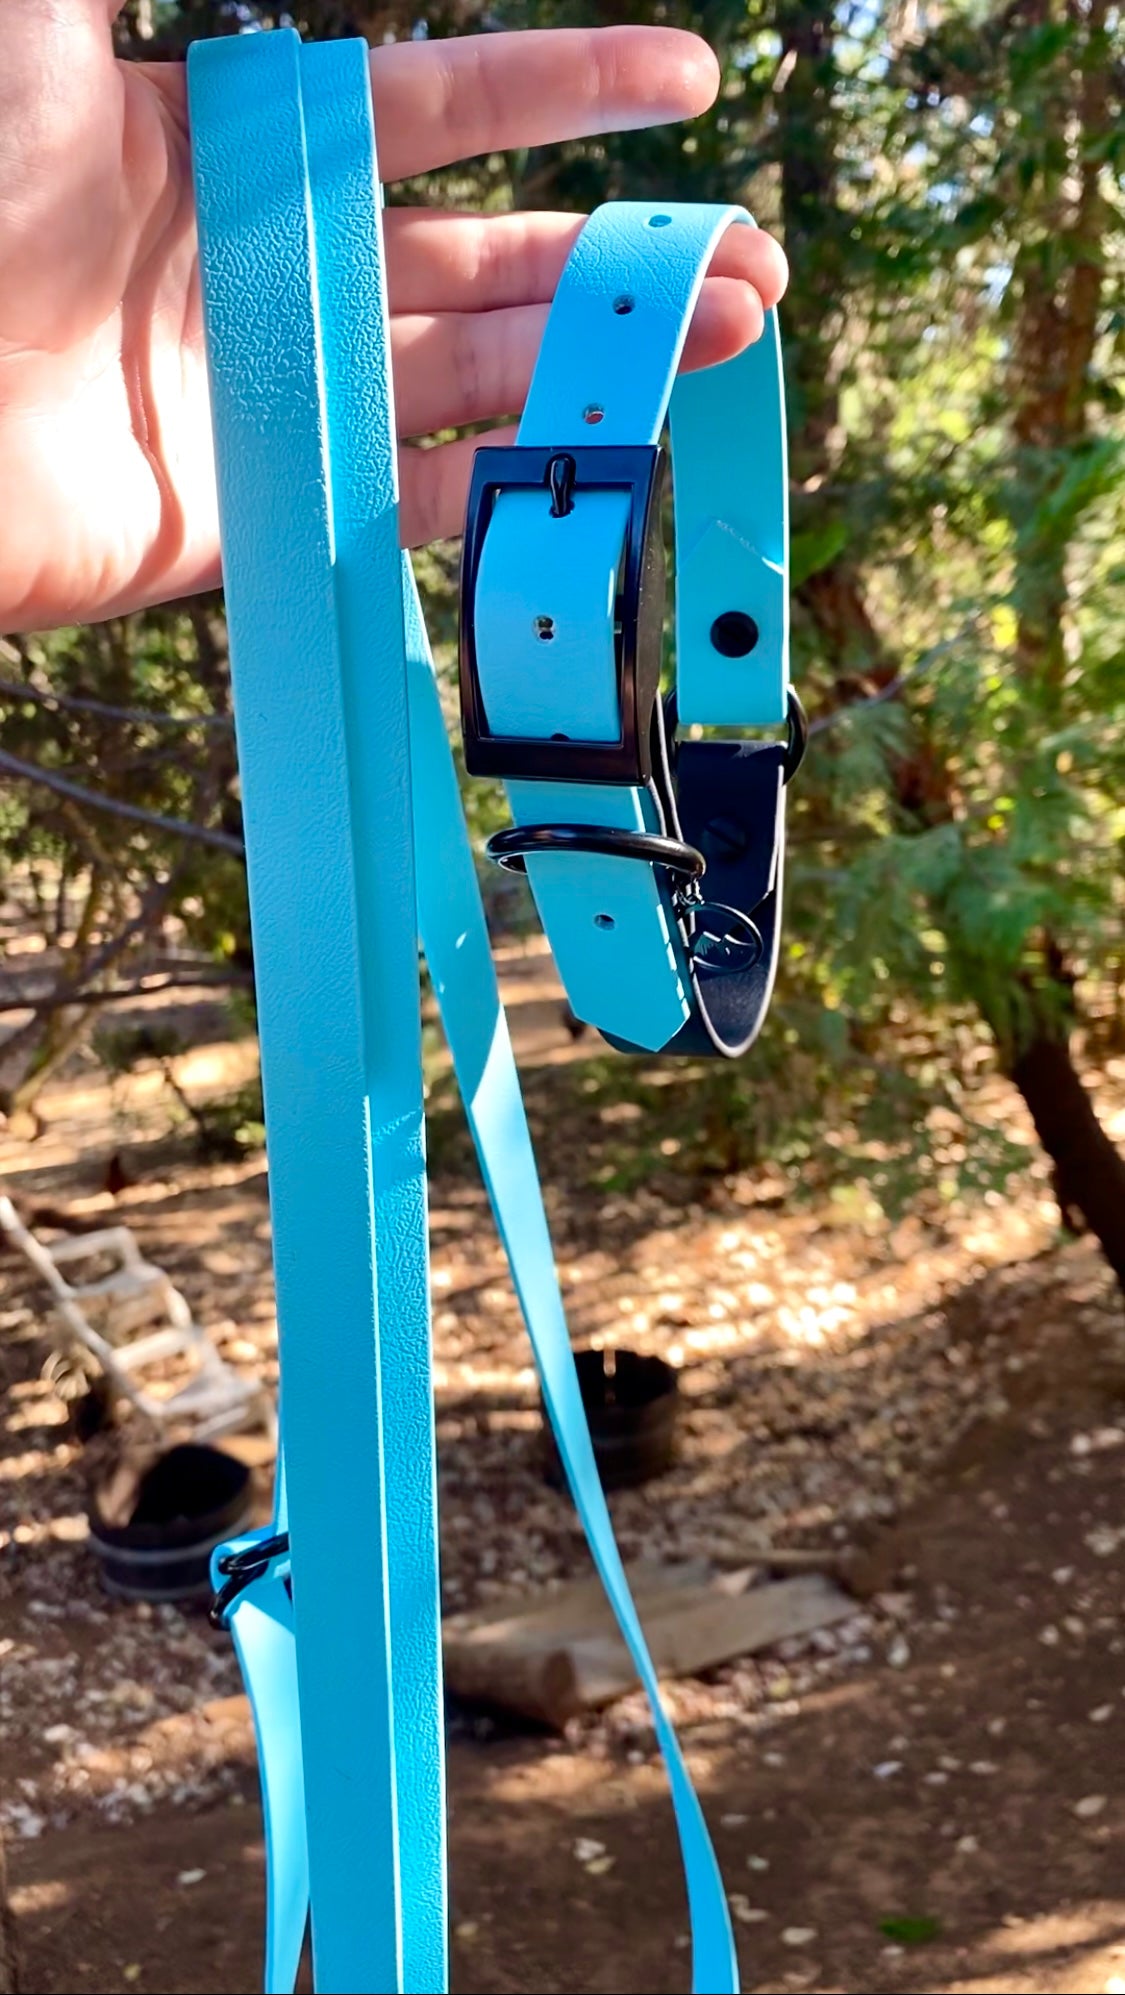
pixel 230 1126
pixel 952 203
pixel 911 1931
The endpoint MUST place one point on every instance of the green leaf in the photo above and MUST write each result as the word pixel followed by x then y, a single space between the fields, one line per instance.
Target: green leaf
pixel 911 1932
pixel 814 549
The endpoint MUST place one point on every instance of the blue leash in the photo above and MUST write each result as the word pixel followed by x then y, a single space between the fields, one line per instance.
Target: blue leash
pixel 314 606
pixel 349 782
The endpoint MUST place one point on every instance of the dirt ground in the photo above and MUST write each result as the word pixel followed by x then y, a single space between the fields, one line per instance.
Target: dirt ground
pixel 930 1797
pixel 974 1791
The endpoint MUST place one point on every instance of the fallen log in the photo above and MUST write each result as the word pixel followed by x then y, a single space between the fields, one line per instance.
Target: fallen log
pixel 551 1658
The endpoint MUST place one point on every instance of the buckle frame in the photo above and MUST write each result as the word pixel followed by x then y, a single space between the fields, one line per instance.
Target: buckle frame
pixel 637 469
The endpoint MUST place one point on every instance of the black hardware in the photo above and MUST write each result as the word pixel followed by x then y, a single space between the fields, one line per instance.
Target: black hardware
pixel 562 476
pixel 739 946
pixel 796 735
pixel 241 1569
pixel 510 849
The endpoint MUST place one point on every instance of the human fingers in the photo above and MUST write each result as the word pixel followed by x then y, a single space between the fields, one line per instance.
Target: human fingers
pixel 439 101
pixel 441 262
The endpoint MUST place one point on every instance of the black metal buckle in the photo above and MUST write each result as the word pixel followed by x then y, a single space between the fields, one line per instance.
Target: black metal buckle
pixel 562 475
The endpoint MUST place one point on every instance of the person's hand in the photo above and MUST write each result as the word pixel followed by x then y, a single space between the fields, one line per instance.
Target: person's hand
pixel 107 491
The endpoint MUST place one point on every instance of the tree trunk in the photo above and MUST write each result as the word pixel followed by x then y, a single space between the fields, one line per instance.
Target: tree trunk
pixel 1089 1171
pixel 1052 347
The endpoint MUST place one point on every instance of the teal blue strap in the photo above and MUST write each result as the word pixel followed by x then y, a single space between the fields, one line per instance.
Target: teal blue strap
pixel 314 606
pixel 545 642
pixel 262 1628
pixel 364 1682
pixel 455 939
pixel 267 1657
pixel 351 292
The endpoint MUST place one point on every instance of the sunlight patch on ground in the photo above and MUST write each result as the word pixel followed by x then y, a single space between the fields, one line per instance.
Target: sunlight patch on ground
pixel 1080 1926
pixel 25 1900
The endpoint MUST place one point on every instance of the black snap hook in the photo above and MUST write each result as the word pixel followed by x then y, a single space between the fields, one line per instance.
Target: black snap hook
pixel 241 1569
pixel 740 945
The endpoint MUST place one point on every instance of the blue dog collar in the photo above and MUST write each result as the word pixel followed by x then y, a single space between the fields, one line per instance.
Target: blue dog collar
pixel 656 863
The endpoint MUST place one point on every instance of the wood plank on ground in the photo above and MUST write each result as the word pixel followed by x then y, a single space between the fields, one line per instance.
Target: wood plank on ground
pixel 553 1656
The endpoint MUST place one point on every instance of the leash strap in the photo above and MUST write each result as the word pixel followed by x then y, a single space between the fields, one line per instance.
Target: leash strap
pixel 288 215
pixel 258 1608
pixel 562 627
pixel 299 369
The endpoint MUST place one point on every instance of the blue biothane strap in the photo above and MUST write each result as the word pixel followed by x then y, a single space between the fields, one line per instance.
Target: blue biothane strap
pixel 309 527
pixel 351 293
pixel 456 943
pixel 543 587
pixel 261 1625
pixel 288 207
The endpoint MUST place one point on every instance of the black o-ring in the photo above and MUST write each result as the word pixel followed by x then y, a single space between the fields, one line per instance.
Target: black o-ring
pixel 511 849
pixel 796 731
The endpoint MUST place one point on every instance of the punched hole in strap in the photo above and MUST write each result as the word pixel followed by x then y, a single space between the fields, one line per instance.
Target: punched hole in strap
pixel 734 634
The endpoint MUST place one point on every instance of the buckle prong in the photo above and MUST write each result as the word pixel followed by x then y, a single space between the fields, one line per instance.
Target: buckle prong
pixel 560 478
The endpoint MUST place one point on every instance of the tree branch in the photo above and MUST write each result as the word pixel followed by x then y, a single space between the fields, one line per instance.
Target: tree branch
pixel 32 772
pixel 146 987
pixel 15 689
pixel 895 687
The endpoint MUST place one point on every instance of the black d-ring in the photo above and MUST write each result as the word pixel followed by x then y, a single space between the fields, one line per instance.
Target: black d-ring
pixel 796 735
pixel 511 849
pixel 796 731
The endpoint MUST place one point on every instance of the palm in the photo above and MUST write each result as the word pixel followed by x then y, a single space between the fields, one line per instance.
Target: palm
pixel 97 268
pixel 106 477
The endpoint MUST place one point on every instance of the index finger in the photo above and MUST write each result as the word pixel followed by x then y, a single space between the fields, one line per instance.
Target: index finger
pixel 439 101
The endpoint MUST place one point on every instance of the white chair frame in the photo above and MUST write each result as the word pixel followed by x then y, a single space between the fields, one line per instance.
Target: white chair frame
pixel 125 1301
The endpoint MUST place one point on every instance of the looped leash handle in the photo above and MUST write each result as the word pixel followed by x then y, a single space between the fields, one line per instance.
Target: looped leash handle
pixel 292 281
pixel 338 716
